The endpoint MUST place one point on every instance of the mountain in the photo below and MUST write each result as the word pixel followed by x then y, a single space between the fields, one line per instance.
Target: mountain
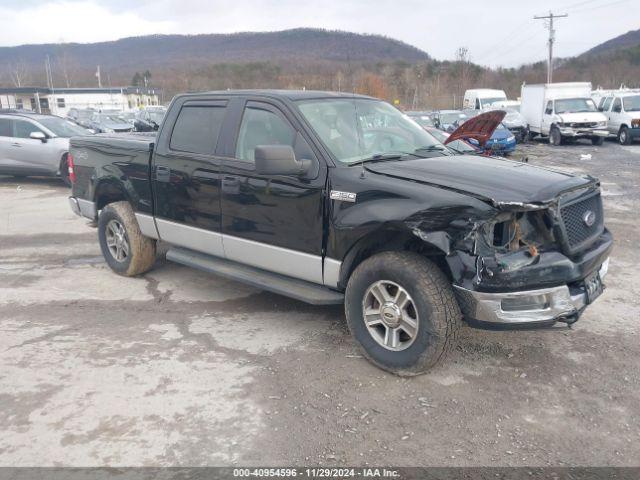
pixel 161 51
pixel 616 46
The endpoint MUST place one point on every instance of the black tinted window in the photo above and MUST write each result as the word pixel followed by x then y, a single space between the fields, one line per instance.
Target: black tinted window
pixel 262 127
pixel 197 129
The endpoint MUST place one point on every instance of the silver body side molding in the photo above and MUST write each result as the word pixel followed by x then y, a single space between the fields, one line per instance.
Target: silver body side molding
pixel 194 238
pixel 147 225
pixel 292 263
pixel 274 259
pixel 331 275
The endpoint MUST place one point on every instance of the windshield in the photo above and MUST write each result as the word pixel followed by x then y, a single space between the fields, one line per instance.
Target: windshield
pixel 111 118
pixel 62 128
pixel 631 104
pixel 450 118
pixel 575 105
pixel 358 129
pixel 488 101
pixel 422 120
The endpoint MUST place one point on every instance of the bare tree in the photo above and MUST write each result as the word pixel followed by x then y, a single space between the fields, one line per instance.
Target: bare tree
pixel 19 73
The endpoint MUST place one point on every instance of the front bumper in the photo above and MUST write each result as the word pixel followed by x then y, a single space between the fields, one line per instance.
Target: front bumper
pixel 83 208
pixel 583 132
pixel 528 308
pixel 634 133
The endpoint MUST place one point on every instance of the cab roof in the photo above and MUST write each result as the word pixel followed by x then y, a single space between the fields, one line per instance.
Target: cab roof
pixel 284 94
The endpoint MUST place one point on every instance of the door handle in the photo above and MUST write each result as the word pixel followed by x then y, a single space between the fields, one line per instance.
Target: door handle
pixel 163 173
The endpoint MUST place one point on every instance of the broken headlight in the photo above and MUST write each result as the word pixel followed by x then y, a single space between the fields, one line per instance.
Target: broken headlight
pixel 516 231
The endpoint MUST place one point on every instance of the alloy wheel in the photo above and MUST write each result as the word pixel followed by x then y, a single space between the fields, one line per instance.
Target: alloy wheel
pixel 117 241
pixel 390 315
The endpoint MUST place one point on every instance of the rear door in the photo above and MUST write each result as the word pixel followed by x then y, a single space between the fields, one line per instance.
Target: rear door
pixel 273 222
pixel 6 141
pixel 186 175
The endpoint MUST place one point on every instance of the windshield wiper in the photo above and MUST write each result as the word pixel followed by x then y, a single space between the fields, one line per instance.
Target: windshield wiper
pixel 381 157
pixel 432 148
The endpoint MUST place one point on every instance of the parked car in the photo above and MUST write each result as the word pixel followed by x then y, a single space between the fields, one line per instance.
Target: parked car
pixel 449 120
pixel 149 119
pixel 34 144
pixel 622 110
pixel 563 111
pixel 336 198
pixel 482 98
pixel 421 118
pixel 81 116
pixel 515 122
pixel 110 123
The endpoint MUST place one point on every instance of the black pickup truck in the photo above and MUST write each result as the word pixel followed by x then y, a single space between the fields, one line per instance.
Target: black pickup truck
pixel 338 198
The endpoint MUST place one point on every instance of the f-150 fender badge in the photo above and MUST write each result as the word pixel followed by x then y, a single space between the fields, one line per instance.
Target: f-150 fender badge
pixel 343 196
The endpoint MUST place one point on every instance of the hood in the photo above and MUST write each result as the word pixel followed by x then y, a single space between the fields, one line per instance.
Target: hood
pixel 514 119
pixel 503 183
pixel 480 127
pixel 577 117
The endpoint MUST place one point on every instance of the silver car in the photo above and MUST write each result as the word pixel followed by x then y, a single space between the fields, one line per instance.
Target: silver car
pixel 33 144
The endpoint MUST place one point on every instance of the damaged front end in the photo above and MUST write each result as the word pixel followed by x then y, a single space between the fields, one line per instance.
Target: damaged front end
pixel 530 264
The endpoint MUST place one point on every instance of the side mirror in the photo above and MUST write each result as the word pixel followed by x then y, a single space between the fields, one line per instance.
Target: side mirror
pixel 38 136
pixel 279 160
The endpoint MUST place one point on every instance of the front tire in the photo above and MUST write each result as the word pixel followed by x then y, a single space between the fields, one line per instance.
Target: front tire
pixel 555 138
pixel 401 309
pixel 597 141
pixel 123 246
pixel 623 136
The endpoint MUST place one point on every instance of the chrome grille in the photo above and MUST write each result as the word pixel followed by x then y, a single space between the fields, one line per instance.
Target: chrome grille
pixel 578 234
pixel 583 124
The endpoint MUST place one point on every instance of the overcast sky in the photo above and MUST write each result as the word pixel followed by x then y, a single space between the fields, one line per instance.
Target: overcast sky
pixel 496 32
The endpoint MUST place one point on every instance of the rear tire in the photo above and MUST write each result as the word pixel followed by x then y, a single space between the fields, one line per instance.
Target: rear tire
pixel 123 246
pixel 415 323
pixel 623 136
pixel 597 141
pixel 555 138
pixel 64 172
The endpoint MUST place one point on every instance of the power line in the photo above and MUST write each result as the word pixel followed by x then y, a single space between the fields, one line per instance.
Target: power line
pixel 552 39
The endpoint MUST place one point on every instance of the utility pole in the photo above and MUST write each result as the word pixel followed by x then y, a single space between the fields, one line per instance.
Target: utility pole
pixel 552 39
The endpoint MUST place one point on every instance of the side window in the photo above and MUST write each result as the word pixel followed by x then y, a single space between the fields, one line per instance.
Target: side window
pixel 24 128
pixel 617 105
pixel 197 129
pixel 606 104
pixel 6 130
pixel 262 127
pixel 477 104
pixel 549 109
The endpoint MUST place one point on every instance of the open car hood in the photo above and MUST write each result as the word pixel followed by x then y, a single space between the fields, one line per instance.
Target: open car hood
pixel 479 128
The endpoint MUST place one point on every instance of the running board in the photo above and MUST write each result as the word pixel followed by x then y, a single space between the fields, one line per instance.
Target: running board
pixel 283 285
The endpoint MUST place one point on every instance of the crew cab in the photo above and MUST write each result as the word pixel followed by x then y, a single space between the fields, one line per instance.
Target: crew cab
pixel 335 198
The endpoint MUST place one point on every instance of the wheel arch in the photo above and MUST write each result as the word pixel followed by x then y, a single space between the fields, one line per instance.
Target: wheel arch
pixel 393 239
pixel 108 191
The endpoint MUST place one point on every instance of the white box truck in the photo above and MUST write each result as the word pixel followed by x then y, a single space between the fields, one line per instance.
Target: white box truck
pixel 562 111
pixel 481 98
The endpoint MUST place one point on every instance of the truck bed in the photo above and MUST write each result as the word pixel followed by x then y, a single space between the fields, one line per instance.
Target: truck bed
pixel 118 158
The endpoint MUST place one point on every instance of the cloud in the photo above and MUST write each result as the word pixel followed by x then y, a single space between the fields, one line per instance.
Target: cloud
pixel 72 21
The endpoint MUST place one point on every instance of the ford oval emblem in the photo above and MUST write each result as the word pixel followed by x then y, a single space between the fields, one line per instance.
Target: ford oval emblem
pixel 589 218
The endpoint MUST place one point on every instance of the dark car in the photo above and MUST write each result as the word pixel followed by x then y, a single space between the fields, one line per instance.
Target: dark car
pixel 110 123
pixel 81 116
pixel 334 198
pixel 149 119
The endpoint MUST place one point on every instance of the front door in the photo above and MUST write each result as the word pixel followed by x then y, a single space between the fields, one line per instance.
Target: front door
pixel 32 154
pixel 186 177
pixel 616 113
pixel 273 222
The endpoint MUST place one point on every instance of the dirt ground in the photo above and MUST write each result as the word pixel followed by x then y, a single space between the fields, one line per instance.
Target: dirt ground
pixel 183 368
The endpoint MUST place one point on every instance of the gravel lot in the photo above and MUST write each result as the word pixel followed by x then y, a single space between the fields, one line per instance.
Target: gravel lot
pixel 182 368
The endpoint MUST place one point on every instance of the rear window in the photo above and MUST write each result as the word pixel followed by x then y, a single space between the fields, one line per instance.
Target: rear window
pixel 197 129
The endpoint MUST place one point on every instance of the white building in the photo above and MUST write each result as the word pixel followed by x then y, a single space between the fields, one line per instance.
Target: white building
pixel 58 101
